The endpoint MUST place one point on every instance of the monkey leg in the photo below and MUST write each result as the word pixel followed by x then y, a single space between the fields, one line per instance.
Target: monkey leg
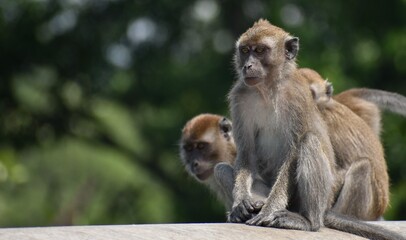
pixel 311 178
pixel 314 177
pixel 224 176
pixel 356 197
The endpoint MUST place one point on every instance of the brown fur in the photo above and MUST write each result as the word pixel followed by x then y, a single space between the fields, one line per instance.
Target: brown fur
pixel 260 29
pixel 203 123
pixel 283 141
pixel 368 111
pixel 219 147
pixel 356 146
pixel 278 132
pixel 367 103
pixel 365 109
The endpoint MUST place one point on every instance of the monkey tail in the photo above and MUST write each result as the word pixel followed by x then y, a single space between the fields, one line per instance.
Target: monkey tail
pixel 385 100
pixel 347 224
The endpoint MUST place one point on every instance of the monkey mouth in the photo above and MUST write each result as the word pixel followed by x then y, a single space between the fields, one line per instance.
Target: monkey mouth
pixel 204 175
pixel 252 81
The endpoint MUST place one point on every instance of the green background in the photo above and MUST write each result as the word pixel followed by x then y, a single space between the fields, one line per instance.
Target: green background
pixel 94 94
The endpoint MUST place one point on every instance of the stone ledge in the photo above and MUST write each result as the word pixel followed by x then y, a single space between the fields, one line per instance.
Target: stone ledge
pixel 195 231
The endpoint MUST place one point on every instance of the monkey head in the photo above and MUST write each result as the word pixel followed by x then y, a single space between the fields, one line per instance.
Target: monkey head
pixel 262 51
pixel 321 90
pixel 206 140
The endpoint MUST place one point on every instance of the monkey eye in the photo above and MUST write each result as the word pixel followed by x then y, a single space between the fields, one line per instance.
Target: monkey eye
pixel 244 49
pixel 188 147
pixel 260 49
pixel 201 145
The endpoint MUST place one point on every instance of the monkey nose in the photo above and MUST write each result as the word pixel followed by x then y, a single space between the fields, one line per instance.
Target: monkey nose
pixel 248 66
pixel 195 164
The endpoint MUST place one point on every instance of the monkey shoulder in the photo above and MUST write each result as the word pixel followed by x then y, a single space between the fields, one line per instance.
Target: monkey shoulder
pixel 299 100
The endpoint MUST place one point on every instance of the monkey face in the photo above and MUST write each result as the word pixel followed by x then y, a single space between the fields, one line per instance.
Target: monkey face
pixel 199 159
pixel 206 140
pixel 261 48
pixel 252 58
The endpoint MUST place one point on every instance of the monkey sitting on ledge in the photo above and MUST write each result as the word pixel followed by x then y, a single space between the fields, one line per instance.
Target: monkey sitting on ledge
pixel 283 141
pixel 207 150
pixel 207 141
pixel 220 166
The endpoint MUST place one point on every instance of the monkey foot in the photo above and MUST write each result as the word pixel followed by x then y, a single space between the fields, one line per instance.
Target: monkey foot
pixel 281 219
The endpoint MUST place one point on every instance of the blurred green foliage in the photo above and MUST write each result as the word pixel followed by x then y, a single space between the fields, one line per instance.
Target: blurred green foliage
pixel 94 94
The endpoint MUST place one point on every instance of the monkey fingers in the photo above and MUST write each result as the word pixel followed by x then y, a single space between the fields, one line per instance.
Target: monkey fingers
pixel 261 219
pixel 258 206
pixel 244 211
pixel 289 220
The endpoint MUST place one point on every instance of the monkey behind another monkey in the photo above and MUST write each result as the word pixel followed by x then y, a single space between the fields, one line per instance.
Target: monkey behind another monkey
pixel 360 161
pixel 207 150
pixel 364 102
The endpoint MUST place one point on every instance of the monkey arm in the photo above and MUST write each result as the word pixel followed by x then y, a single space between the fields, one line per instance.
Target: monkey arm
pixel 244 205
pixel 278 198
pixel 224 176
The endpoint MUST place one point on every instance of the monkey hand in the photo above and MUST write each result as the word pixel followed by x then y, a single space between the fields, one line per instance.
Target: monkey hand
pixel 243 211
pixel 261 219
pixel 265 217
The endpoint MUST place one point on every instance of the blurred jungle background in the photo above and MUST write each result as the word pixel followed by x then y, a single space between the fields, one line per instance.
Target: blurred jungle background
pixel 94 94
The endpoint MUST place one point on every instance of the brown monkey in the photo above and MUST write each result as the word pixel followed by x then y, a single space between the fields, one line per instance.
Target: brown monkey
pixel 364 102
pixel 278 131
pixel 222 185
pixel 207 141
pixel 220 129
pixel 208 152
pixel 359 155
pixel 283 141
pixel 367 104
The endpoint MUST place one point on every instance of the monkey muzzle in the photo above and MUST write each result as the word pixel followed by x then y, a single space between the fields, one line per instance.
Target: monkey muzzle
pixel 251 76
pixel 201 171
pixel 252 81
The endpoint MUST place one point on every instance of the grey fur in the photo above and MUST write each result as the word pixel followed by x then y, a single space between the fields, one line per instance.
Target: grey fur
pixel 275 133
pixel 282 140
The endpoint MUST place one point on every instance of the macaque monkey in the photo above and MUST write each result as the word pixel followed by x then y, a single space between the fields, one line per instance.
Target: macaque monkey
pixel 366 103
pixel 208 152
pixel 221 183
pixel 359 155
pixel 280 136
pixel 283 141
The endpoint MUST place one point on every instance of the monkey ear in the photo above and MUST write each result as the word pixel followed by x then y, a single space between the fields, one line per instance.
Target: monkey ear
pixel 329 89
pixel 225 125
pixel 291 47
pixel 313 90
